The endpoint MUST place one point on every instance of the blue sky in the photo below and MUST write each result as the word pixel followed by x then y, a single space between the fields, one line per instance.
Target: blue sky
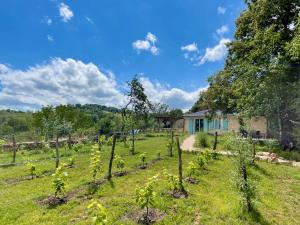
pixel 51 50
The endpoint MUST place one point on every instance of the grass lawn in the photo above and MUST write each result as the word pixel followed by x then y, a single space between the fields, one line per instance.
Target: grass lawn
pixel 214 200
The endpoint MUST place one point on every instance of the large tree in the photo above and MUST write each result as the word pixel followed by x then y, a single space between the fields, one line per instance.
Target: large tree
pixel 262 66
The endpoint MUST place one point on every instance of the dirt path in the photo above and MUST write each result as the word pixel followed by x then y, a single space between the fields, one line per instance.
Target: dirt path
pixel 188 143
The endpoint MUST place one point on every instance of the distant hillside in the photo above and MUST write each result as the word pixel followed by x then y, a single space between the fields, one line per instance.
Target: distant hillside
pixel 12 121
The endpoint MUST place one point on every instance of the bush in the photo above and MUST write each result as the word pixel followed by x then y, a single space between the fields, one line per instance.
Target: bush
pixel 191 169
pixel 200 160
pixel 98 213
pixel 202 140
pixel 59 181
pixel 95 162
pixel 32 169
pixel 119 162
pixel 173 181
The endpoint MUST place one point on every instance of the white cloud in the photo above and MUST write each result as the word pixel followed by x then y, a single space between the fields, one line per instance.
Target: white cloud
pixel 221 10
pixel 65 12
pixel 215 53
pixel 47 20
pixel 146 45
pixel 151 37
pixel 50 38
pixel 222 30
pixel 190 48
pixel 174 97
pixel 58 82
pixel 72 81
pixel 89 20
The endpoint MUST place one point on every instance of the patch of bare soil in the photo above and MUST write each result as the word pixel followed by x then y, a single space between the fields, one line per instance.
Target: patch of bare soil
pixel 178 194
pixel 53 201
pixel 120 173
pixel 143 167
pixel 191 180
pixel 140 216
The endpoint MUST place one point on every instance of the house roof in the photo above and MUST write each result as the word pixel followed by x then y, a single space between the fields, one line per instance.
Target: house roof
pixel 196 114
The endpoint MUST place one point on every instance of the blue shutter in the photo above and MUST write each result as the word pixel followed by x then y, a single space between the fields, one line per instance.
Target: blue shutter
pixel 205 125
pixel 191 126
pixel 225 124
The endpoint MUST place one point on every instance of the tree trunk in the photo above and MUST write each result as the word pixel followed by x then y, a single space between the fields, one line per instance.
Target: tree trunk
pixel 57 152
pixel 133 142
pixel 279 128
pixel 111 157
pixel 216 141
pixel 244 176
pixel 14 149
pixel 70 142
pixel 172 141
pixel 179 166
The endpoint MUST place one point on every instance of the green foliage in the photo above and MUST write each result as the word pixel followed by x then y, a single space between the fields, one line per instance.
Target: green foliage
pixel 202 140
pixel 142 157
pixel 201 162
pixel 192 167
pixel 173 181
pixel 77 147
pixel 98 213
pixel 32 169
pixel 59 181
pixel 120 163
pixel 207 155
pixel 71 161
pixel 2 142
pixel 144 196
pixel 95 162
pixel 169 146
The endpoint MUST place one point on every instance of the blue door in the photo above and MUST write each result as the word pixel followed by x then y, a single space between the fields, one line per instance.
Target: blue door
pixel 191 126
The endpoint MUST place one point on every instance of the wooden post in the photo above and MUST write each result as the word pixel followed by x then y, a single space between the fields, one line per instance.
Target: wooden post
pixel 99 142
pixel 172 141
pixel 179 166
pixel 111 157
pixel 70 142
pixel 133 142
pixel 216 141
pixel 14 148
pixel 57 152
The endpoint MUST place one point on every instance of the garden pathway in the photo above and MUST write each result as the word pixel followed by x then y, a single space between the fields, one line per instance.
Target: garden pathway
pixel 188 143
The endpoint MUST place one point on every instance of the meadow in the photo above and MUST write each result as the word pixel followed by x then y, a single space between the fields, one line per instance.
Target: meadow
pixel 213 200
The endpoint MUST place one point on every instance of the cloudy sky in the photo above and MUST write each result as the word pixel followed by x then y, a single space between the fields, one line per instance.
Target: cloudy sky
pixel 58 52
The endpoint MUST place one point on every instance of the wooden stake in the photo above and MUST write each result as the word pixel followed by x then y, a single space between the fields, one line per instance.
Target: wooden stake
pixel 111 157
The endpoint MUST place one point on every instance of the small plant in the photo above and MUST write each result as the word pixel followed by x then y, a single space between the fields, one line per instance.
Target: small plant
pixel 59 181
pixel 192 167
pixel 173 181
pixel 145 197
pixel 158 156
pixel 98 213
pixel 202 140
pixel 32 169
pixel 71 161
pixel 207 155
pixel 95 162
pixel 200 160
pixel 77 147
pixel 169 147
pixel 109 141
pixel 120 163
pixel 214 155
pixel 143 158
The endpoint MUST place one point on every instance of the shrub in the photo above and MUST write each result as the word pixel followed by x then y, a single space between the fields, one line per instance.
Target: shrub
pixel 191 169
pixel 59 181
pixel 95 162
pixel 98 213
pixel 145 196
pixel 173 181
pixel 77 147
pixel 32 169
pixel 71 161
pixel 200 160
pixel 202 140
pixel 207 155
pixel 119 162
pixel 142 157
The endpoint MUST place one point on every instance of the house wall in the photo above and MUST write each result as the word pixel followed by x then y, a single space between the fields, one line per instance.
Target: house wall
pixel 256 124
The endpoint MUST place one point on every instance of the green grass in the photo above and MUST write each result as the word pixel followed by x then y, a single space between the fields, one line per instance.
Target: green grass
pixel 214 200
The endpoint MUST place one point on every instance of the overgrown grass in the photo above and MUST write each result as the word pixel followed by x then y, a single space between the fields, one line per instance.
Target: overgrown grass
pixel 214 200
